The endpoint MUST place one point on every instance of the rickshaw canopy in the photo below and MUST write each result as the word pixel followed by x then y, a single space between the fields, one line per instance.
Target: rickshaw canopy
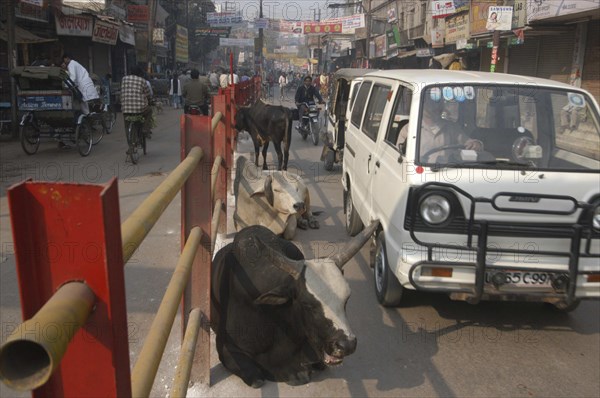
pixel 40 72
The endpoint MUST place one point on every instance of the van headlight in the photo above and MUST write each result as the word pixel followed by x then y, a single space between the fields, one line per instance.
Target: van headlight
pixel 435 209
pixel 596 218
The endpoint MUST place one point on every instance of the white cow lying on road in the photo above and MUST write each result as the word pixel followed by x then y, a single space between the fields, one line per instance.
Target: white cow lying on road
pixel 278 200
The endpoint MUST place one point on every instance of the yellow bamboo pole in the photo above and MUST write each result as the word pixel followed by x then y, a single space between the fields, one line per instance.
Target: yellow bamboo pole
pixel 31 354
pixel 215 121
pixel 186 356
pixel 146 366
pixel 214 175
pixel 215 224
pixel 141 221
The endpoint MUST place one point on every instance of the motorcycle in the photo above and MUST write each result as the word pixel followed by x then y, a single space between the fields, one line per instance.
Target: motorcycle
pixel 309 123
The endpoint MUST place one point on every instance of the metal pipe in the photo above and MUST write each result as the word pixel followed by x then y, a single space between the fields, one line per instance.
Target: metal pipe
pixel 186 356
pixel 215 122
pixel 214 175
pixel 141 221
pixel 33 352
pixel 215 224
pixel 146 366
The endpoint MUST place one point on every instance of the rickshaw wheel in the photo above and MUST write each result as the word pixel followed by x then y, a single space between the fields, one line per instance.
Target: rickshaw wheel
pixel 30 138
pixel 83 136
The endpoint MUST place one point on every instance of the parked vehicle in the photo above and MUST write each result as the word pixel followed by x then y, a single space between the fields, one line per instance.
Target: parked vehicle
pixel 51 108
pixel 486 185
pixel 344 85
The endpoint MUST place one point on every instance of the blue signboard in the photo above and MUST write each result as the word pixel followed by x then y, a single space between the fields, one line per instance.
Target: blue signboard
pixel 40 102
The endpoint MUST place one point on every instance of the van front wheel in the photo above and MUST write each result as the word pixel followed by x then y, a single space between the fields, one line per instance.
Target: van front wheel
pixel 388 289
pixel 353 222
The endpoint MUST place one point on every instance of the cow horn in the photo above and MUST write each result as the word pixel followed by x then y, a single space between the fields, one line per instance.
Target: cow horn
pixel 354 245
pixel 284 263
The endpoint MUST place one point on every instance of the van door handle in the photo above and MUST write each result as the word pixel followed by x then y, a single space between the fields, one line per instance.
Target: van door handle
pixel 377 164
pixel 369 164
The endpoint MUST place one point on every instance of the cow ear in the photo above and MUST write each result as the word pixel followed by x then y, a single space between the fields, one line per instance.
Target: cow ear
pixel 276 296
pixel 269 190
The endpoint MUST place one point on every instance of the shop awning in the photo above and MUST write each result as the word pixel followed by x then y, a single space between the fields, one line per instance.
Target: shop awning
pixel 23 37
pixel 313 60
pixel 407 54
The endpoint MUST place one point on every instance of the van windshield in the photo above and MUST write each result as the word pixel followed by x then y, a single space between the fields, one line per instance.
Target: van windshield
pixel 508 126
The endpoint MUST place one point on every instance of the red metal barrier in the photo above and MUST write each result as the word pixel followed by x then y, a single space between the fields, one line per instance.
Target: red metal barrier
pixel 72 232
pixel 196 210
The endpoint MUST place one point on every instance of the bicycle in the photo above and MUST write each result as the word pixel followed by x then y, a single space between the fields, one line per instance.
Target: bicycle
pixel 136 137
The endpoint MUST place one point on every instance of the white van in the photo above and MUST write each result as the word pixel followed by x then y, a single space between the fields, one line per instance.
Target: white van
pixel 486 185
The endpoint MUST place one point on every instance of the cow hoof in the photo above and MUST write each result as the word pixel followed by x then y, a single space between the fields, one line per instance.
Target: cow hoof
pixel 303 224
pixel 314 224
pixel 258 383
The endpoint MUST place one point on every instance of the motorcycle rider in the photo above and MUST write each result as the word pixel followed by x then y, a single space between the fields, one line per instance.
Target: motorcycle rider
pixel 195 92
pixel 306 94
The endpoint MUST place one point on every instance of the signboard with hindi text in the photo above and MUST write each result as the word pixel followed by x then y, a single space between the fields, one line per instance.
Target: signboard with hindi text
pixel 74 25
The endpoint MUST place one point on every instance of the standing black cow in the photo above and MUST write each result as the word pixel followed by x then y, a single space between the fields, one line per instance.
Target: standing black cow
pixel 276 315
pixel 267 123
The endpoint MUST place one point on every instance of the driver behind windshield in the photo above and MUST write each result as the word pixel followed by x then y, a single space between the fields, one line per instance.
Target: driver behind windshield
pixel 438 131
pixel 306 94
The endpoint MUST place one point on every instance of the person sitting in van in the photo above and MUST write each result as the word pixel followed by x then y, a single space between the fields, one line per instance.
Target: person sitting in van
pixel 438 131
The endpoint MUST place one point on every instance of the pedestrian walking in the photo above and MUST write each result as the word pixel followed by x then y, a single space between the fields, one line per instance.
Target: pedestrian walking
pixel 175 91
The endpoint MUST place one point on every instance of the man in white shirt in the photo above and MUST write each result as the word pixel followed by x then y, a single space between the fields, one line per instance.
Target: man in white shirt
pixel 80 76
pixel 282 83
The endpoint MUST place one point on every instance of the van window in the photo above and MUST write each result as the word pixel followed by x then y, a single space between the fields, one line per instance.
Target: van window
pixel 361 98
pixel 399 117
pixel 375 108
pixel 353 93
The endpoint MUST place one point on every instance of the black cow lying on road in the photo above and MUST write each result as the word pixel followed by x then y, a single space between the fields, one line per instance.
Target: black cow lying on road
pixel 267 123
pixel 276 315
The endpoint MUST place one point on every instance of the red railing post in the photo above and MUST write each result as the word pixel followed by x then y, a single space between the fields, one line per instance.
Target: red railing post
pixel 196 211
pixel 72 232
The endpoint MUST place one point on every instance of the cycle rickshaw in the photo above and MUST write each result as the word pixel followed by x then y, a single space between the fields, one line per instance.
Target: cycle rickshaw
pixel 51 108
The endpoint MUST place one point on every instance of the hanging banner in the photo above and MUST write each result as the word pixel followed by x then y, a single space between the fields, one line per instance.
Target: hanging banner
pixel 223 18
pixel 74 25
pixel 138 14
pixel 499 18
pixel 32 12
pixel 538 10
pixel 37 3
pixel 457 28
pixel 380 46
pixel 181 44
pixel 391 14
pixel 261 23
pixel 321 27
pixel 349 23
pixel 230 42
pixel 105 32
pixel 126 34
pixel 212 32
pixel 158 37
pixel 442 8
pixel 117 12
pixel 437 37
pixel 519 19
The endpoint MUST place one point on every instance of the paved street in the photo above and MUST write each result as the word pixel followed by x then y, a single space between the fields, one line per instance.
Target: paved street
pixel 429 347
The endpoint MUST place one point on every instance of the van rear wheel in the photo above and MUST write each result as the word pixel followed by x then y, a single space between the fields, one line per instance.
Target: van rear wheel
pixel 353 222
pixel 388 289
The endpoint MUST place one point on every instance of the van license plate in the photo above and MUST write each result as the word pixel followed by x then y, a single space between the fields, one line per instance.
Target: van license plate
pixel 523 279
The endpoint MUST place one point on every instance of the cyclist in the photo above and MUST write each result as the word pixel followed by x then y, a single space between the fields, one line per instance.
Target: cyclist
pixel 304 95
pixel 135 98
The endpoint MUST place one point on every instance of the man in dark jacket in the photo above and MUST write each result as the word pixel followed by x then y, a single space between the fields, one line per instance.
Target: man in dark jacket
pixel 195 92
pixel 306 93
